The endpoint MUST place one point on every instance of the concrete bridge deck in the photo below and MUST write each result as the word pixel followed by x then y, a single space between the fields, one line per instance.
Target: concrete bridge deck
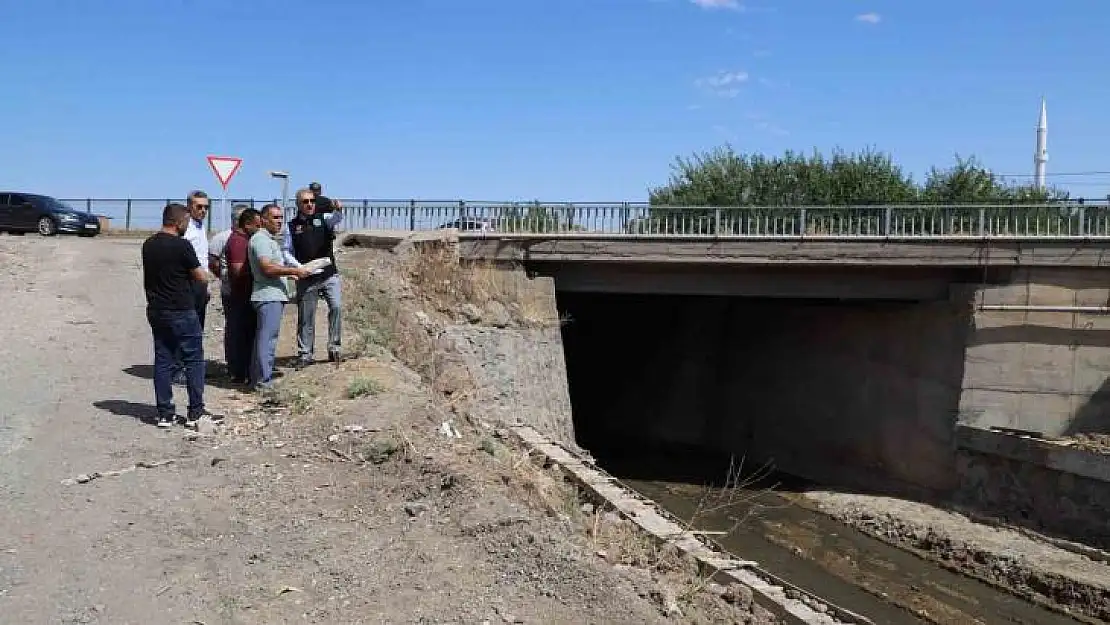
pixel 859 251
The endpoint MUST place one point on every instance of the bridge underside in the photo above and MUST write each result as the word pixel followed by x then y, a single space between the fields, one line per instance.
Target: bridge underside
pixel 781 282
pixel 843 376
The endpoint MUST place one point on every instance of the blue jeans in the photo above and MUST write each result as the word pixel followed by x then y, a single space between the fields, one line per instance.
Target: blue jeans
pixel 177 332
pixel 265 342
pixel 201 297
pixel 240 323
pixel 308 295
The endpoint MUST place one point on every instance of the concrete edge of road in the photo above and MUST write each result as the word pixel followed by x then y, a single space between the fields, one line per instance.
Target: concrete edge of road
pixel 786 601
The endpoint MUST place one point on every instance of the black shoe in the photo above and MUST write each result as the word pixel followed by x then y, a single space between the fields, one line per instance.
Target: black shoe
pixel 302 363
pixel 203 414
pixel 164 421
pixel 335 357
pixel 238 381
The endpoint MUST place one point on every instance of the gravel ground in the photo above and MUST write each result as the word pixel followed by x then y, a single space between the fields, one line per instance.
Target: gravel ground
pixel 1017 561
pixel 308 507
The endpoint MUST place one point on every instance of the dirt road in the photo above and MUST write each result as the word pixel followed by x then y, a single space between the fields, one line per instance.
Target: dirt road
pixel 74 341
pixel 252 528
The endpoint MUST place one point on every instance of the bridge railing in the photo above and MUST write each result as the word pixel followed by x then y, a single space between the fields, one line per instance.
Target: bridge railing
pixel 1072 219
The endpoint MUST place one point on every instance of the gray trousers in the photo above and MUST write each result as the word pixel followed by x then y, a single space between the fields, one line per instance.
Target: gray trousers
pixel 308 296
pixel 265 342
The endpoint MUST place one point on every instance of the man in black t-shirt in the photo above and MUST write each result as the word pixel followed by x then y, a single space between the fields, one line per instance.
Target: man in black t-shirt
pixel 170 271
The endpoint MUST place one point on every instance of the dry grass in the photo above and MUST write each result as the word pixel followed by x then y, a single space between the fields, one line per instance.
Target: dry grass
pixel 449 284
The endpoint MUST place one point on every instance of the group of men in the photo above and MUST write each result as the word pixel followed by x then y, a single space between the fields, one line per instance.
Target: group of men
pixel 261 266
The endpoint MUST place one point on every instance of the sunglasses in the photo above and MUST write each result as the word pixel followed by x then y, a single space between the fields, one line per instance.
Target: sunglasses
pixel 308 201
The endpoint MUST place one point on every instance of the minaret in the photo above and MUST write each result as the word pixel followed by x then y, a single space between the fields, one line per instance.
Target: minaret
pixel 1040 159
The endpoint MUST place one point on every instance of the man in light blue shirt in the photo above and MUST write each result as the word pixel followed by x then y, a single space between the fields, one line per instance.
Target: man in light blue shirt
pixel 268 292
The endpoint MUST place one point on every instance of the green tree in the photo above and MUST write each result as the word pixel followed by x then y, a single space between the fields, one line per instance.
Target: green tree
pixel 1003 207
pixel 848 193
pixel 765 185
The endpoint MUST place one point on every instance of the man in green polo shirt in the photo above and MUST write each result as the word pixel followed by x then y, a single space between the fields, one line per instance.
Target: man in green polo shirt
pixel 268 292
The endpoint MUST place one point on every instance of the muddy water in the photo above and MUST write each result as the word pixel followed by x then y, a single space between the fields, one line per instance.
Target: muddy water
pixel 815 552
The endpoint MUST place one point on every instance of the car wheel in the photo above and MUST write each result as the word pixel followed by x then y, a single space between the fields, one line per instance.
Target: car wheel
pixel 47 227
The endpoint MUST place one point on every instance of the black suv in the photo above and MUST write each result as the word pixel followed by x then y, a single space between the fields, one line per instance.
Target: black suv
pixel 28 212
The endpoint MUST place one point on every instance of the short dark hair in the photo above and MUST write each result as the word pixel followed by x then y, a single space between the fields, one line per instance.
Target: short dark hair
pixel 267 208
pixel 248 215
pixel 193 195
pixel 173 213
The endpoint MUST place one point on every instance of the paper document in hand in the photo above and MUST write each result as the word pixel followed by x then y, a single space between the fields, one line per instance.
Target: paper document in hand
pixel 317 265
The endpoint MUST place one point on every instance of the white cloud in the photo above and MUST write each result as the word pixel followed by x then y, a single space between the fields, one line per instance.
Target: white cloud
pixel 723 84
pixel 869 18
pixel 718 4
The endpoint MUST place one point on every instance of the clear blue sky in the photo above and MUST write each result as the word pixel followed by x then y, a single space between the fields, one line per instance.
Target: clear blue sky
pixel 550 99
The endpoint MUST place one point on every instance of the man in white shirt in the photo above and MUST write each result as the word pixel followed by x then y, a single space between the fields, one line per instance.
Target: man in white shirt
pixel 197 203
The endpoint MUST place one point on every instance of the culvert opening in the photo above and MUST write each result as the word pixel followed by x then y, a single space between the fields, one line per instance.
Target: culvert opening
pixel 853 393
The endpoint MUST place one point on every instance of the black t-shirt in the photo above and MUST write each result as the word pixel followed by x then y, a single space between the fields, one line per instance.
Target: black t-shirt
pixel 168 262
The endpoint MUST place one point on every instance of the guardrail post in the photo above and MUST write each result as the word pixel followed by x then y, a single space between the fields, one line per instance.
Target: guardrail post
pixel 462 211
pixel 88 205
pixel 1082 220
pixel 127 218
pixel 802 221
pixel 717 221
pixel 887 219
pixel 570 216
pixel 412 214
pixel 982 221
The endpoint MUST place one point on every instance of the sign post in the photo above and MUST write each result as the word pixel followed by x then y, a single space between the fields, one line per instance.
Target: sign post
pixel 225 167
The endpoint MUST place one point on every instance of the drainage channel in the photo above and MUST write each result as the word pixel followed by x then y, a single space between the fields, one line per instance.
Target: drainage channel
pixel 823 556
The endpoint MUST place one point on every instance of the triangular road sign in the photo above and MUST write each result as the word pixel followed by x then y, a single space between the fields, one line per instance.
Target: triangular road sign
pixel 224 167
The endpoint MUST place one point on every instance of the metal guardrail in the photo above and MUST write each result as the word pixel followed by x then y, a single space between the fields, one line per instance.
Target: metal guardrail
pixel 1087 219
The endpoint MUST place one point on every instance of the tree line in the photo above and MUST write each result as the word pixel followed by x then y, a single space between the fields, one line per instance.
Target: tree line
pixel 768 195
pixel 722 191
pixel 724 177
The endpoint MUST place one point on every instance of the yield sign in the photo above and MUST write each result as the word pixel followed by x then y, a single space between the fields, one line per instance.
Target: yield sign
pixel 224 167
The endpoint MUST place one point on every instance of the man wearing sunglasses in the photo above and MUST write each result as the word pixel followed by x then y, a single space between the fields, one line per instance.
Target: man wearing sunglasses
pixel 197 205
pixel 311 236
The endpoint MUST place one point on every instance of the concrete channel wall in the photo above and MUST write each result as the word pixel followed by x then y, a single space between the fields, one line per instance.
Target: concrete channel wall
pixel 1046 372
pixel 1048 486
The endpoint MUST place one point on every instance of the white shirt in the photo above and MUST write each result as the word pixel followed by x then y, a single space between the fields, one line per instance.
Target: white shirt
pixel 216 247
pixel 196 237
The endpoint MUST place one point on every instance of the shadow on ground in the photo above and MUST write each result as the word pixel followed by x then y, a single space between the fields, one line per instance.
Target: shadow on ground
pixel 216 374
pixel 143 412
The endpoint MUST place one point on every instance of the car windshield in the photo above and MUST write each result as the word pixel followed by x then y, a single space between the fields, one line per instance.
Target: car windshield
pixel 54 205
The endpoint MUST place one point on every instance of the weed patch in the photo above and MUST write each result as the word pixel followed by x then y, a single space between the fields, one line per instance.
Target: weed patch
pixel 362 387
